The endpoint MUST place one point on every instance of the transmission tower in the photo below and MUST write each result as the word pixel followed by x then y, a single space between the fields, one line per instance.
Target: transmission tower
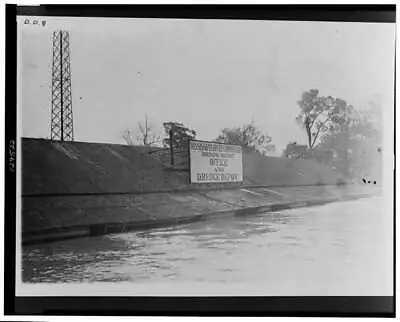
pixel 61 99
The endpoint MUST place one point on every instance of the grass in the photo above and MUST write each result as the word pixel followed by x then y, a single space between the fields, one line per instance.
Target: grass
pixel 78 167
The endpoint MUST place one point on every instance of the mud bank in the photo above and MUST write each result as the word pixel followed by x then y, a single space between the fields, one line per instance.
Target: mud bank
pixel 50 218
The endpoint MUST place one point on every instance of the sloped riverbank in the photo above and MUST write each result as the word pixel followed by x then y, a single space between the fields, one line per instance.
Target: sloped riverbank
pixel 76 189
pixel 58 217
pixel 79 167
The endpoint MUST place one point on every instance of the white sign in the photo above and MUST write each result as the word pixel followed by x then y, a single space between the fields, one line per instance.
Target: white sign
pixel 215 162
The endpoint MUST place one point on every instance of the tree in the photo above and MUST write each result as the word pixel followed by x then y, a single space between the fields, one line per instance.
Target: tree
pixel 248 136
pixel 296 151
pixel 318 114
pixel 339 134
pixel 146 135
pixel 323 156
pixel 302 151
pixel 356 140
pixel 127 137
pixel 178 132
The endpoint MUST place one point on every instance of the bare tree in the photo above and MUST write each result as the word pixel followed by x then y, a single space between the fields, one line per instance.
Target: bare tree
pixel 127 137
pixel 146 134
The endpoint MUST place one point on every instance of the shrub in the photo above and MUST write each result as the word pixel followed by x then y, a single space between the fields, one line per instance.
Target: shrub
pixel 340 182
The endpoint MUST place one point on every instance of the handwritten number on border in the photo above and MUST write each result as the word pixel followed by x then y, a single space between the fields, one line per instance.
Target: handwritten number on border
pixel 11 155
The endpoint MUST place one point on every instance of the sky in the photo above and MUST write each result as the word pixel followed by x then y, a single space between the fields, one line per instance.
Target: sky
pixel 207 74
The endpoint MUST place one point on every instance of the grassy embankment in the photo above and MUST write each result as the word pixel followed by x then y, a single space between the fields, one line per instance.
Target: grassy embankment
pixel 54 167
pixel 134 190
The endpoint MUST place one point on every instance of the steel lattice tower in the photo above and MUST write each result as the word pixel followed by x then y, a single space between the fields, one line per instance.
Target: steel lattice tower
pixel 61 97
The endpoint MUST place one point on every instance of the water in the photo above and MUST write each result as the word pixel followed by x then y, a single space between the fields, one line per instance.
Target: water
pixel 340 248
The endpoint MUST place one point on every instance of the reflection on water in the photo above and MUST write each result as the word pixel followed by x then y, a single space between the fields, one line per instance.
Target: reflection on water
pixel 344 245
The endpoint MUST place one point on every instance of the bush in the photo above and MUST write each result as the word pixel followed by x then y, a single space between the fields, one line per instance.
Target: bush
pixel 341 182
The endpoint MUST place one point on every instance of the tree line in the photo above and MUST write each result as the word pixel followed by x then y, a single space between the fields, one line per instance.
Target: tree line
pixel 248 136
pixel 337 134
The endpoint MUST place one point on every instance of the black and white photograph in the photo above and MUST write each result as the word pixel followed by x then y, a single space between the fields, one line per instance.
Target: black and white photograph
pixel 204 157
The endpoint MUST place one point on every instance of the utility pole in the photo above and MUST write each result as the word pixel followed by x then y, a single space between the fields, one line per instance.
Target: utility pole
pixel 146 140
pixel 346 143
pixel 171 149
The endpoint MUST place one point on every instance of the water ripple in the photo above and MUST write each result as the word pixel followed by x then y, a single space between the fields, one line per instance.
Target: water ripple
pixel 295 248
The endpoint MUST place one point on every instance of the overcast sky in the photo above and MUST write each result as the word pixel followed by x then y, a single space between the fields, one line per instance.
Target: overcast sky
pixel 208 74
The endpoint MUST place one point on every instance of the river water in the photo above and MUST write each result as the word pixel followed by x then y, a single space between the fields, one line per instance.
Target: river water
pixel 336 249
